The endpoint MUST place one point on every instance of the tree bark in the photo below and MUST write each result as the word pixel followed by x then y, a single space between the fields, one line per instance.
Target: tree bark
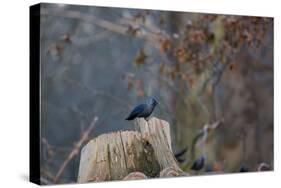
pixel 115 156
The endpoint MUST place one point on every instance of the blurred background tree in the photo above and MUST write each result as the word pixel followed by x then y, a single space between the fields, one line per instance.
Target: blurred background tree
pixel 202 68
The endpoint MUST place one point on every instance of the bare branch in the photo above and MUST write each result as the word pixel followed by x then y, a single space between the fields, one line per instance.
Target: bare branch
pixel 110 26
pixel 76 149
pixel 45 181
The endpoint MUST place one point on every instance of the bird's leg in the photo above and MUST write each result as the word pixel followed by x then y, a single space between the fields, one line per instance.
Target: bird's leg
pixel 146 119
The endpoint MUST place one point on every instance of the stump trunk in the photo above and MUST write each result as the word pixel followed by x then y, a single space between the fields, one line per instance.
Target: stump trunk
pixel 122 154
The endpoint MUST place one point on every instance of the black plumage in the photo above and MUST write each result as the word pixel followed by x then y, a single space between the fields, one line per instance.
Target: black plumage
pixel 243 168
pixel 198 164
pixel 143 110
pixel 180 154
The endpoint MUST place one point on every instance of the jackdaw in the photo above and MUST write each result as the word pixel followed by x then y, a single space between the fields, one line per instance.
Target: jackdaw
pixel 198 163
pixel 143 110
pixel 243 168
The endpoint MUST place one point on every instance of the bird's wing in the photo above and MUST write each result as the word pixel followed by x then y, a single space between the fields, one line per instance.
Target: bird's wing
pixel 136 111
pixel 181 153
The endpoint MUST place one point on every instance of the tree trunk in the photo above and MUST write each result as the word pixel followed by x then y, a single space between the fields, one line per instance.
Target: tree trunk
pixel 127 154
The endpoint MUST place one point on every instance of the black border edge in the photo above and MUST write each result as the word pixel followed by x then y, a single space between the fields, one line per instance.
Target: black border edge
pixel 34 89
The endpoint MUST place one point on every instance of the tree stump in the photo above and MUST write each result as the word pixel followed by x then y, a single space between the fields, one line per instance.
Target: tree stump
pixel 127 154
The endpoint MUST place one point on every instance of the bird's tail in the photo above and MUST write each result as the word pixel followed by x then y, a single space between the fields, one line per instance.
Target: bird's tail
pixel 129 118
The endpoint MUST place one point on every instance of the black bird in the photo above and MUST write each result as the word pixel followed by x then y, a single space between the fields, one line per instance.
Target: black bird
pixel 143 110
pixel 198 164
pixel 180 154
pixel 243 168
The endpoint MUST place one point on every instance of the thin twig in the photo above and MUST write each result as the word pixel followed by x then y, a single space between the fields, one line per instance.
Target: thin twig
pixel 46 173
pixel 45 181
pixel 75 150
pixel 206 129
pixel 200 138
pixel 105 24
